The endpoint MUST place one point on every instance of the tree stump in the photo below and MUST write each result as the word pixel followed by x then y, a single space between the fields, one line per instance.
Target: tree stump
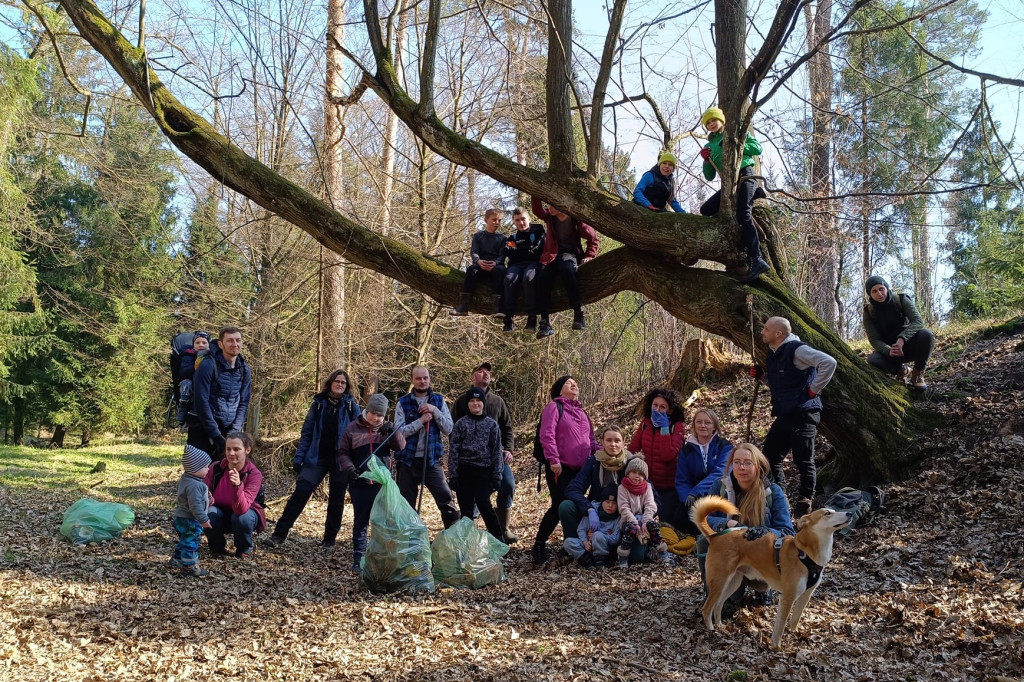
pixel 703 361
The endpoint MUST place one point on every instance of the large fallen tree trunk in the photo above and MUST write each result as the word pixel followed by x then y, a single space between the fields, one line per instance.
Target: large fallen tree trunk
pixel 867 417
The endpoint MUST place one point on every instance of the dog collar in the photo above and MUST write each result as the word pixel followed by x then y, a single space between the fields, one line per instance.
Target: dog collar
pixel 813 569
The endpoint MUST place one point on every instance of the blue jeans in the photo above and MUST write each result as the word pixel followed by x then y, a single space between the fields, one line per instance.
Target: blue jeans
pixel 189 536
pixel 223 520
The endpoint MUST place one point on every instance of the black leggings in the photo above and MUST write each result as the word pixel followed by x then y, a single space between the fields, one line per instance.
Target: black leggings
pixel 556 487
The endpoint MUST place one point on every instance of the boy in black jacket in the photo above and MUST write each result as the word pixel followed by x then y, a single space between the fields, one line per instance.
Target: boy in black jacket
pixel 488 254
pixel 475 462
pixel 523 250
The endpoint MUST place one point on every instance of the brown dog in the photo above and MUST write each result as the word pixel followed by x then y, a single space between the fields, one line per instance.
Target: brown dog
pixel 794 568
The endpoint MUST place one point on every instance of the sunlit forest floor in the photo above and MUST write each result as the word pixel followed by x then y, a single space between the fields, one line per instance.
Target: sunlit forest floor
pixel 931 590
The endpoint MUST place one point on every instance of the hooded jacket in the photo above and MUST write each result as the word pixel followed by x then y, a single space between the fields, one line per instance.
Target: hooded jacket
pixel 700 469
pixel 583 231
pixel 568 439
pixel 661 451
pixel 308 451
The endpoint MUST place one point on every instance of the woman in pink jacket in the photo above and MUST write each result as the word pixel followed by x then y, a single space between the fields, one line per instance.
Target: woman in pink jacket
pixel 236 495
pixel 567 437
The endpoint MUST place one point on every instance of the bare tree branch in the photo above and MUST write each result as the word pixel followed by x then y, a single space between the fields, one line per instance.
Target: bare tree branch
pixel 601 88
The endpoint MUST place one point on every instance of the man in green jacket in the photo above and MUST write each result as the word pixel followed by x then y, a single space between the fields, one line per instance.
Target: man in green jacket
pixel 896 332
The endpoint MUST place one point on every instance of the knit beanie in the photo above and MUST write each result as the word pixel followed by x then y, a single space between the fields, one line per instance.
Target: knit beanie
pixel 200 335
pixel 556 388
pixel 873 281
pixel 637 464
pixel 667 157
pixel 378 404
pixel 610 492
pixel 711 114
pixel 194 460
pixel 476 393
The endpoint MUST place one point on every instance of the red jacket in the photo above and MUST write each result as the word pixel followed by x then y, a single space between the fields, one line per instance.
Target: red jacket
pixel 583 231
pixel 239 500
pixel 660 451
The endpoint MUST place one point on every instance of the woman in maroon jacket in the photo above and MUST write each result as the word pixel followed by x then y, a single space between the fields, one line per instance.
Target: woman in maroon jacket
pixel 660 437
pixel 235 485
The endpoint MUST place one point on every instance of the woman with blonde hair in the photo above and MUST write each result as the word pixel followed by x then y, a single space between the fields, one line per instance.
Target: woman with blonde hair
pixel 762 504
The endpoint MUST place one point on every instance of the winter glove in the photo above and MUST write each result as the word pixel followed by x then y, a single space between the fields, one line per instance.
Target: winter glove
pixel 757 371
pixel 297 467
pixel 811 394
pixel 495 483
pixel 594 520
pixel 756 532
pixel 705 153
pixel 690 501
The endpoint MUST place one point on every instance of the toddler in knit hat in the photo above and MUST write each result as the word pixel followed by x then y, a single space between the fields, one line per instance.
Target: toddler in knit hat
pixel 598 533
pixel 191 515
pixel 638 511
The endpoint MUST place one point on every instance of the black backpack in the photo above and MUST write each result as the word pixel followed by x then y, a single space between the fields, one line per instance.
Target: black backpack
pixel 538 449
pixel 863 504
pixel 181 399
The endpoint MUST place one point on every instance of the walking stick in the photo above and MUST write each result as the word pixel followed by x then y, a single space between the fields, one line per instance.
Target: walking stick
pixel 423 475
pixel 753 361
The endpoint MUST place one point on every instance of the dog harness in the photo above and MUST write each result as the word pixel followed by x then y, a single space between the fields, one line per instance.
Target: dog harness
pixel 813 569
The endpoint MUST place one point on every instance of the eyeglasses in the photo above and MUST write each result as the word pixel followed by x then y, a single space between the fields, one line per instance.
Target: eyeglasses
pixel 742 465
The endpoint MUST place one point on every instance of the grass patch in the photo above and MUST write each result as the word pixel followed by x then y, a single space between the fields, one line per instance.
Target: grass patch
pixel 129 468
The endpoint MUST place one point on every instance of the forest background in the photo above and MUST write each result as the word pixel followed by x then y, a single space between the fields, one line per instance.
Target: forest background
pixel 882 155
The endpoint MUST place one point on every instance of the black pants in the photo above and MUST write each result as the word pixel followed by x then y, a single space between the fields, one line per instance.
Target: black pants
pixel 916 349
pixel 310 477
pixel 474 274
pixel 744 211
pixel 564 266
pixel 197 437
pixel 474 486
pixel 409 477
pixel 556 487
pixel 794 431
pixel 524 274
pixel 363 494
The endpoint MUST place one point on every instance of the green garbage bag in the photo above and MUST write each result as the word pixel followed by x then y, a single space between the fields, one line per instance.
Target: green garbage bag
pixel 397 555
pixel 93 521
pixel 465 556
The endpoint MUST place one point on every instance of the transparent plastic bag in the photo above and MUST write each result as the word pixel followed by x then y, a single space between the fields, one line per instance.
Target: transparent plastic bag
pixel 397 555
pixel 465 556
pixel 92 521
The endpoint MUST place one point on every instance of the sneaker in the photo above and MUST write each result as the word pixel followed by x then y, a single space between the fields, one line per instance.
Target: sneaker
pixel 509 325
pixel 545 330
pixel 539 555
pixel 175 562
pixel 802 507
pixel 194 571
pixel 578 323
pixel 623 562
pixel 757 268
pixel 326 545
pixel 245 556
pixel 274 541
pixel 563 557
pixel 531 325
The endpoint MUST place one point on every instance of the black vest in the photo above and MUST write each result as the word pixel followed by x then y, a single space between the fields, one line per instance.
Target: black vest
pixel 660 190
pixel 789 384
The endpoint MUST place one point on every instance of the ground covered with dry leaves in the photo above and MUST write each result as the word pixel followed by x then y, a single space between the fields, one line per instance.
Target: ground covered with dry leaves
pixel 932 590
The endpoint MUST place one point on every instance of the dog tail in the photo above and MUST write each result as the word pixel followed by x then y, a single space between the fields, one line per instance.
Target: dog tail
pixel 706 505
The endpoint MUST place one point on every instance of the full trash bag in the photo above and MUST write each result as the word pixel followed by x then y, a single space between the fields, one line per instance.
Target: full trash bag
pixel 397 555
pixel 465 556
pixel 92 521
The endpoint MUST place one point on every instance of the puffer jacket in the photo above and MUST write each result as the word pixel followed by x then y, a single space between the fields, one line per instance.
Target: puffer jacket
pixel 221 404
pixel 661 451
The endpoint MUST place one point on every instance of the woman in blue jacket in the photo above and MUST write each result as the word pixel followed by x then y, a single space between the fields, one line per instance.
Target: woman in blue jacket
pixel 700 466
pixel 317 457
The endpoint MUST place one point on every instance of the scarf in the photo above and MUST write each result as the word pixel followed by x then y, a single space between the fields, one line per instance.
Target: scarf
pixel 605 516
pixel 660 421
pixel 635 488
pixel 609 463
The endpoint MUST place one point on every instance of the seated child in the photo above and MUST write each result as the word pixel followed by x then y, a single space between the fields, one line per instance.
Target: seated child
pixel 657 187
pixel 488 254
pixel 599 532
pixel 523 250
pixel 191 515
pixel 187 369
pixel 638 509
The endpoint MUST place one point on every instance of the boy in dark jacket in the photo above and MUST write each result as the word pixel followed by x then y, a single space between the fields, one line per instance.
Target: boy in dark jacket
pixel 896 332
pixel 488 254
pixel 523 250
pixel 475 462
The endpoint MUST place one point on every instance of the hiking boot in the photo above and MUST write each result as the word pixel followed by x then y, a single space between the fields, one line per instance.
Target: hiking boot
pixel 274 541
pixel 194 571
pixel 509 326
pixel 326 545
pixel 690 261
pixel 755 269
pixel 562 557
pixel 917 379
pixel 903 374
pixel 545 329
pixel 462 309
pixel 577 321
pixel 802 507
pixel 539 555
pixel 531 324
pixel 587 561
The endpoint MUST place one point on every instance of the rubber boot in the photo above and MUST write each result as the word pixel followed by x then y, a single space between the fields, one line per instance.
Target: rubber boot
pixel 510 537
pixel 462 309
